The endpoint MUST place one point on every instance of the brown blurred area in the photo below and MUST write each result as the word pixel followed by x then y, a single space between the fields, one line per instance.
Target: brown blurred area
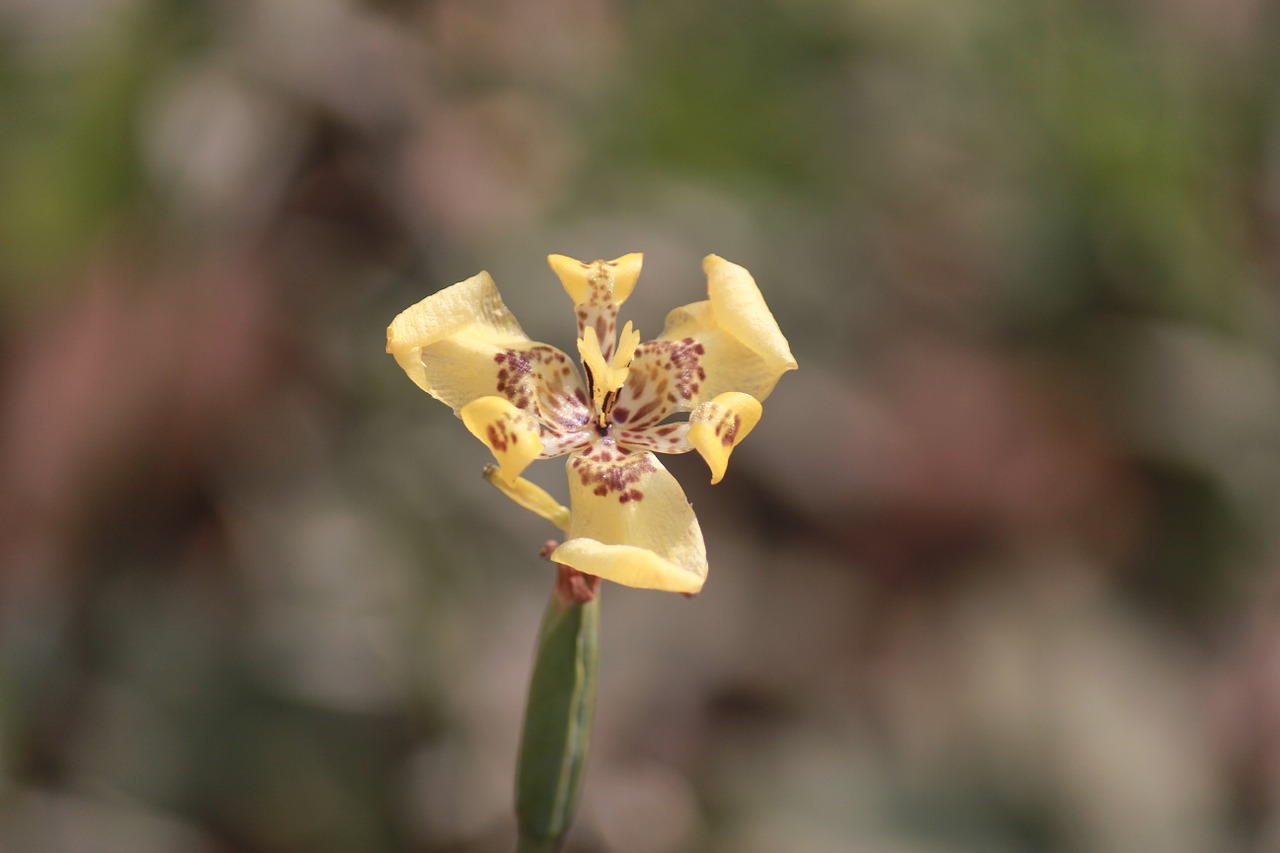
pixel 998 571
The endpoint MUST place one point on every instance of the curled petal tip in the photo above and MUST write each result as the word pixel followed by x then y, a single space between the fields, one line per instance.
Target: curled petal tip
pixel 510 433
pixel 584 281
pixel 626 270
pixel 532 498
pixel 632 524
pixel 630 565
pixel 717 426
pixel 740 309
pixel 573 275
pixel 712 263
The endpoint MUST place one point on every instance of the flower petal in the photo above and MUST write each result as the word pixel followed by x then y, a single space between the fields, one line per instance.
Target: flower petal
pixel 442 315
pixel 597 289
pixel 511 433
pixel 631 522
pixel 741 310
pixel 598 282
pixel 662 438
pixel 463 343
pixel 531 497
pixel 716 427
pixel 729 342
pixel 558 443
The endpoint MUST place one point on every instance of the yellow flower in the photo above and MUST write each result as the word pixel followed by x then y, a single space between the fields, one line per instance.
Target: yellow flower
pixel 630 521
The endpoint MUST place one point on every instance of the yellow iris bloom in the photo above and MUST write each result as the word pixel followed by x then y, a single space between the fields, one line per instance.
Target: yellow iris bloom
pixel 629 521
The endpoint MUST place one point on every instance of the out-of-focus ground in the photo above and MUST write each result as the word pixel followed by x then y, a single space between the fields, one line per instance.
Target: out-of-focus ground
pixel 998 571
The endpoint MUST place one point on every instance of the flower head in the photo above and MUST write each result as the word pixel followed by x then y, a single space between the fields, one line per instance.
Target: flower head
pixel 629 521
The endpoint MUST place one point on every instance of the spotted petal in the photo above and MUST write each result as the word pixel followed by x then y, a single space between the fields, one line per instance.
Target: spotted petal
pixel 597 289
pixel 463 343
pixel 662 438
pixel 631 522
pixel 511 433
pixel 714 429
pixel 717 426
pixel 730 342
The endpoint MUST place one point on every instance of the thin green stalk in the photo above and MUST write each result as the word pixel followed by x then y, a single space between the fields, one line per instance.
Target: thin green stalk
pixel 557 721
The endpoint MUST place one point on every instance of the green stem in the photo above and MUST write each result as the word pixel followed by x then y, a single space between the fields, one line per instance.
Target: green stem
pixel 557 721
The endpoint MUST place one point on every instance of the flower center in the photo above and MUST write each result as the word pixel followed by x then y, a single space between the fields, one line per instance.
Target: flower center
pixel 606 378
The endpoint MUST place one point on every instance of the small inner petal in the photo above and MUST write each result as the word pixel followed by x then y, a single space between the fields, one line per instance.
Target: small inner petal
pixel 529 496
pixel 559 442
pixel 663 438
pixel 510 433
pixel 717 426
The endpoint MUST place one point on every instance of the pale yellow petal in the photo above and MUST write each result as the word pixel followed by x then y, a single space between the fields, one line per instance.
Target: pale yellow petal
pixel 631 522
pixel 597 289
pixel 597 282
pixel 662 438
pixel 512 434
pixel 741 310
pixel 573 275
pixel 558 443
pixel 626 270
pixel 537 378
pixel 716 427
pixel 629 565
pixel 531 497
pixel 729 342
pixel 463 343
pixel 664 378
pixel 467 304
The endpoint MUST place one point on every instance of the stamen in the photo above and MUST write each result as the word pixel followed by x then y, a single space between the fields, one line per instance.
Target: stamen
pixel 627 343
pixel 605 379
pixel 595 368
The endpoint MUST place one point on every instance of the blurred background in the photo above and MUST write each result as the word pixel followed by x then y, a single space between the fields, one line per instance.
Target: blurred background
pixel 998 571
